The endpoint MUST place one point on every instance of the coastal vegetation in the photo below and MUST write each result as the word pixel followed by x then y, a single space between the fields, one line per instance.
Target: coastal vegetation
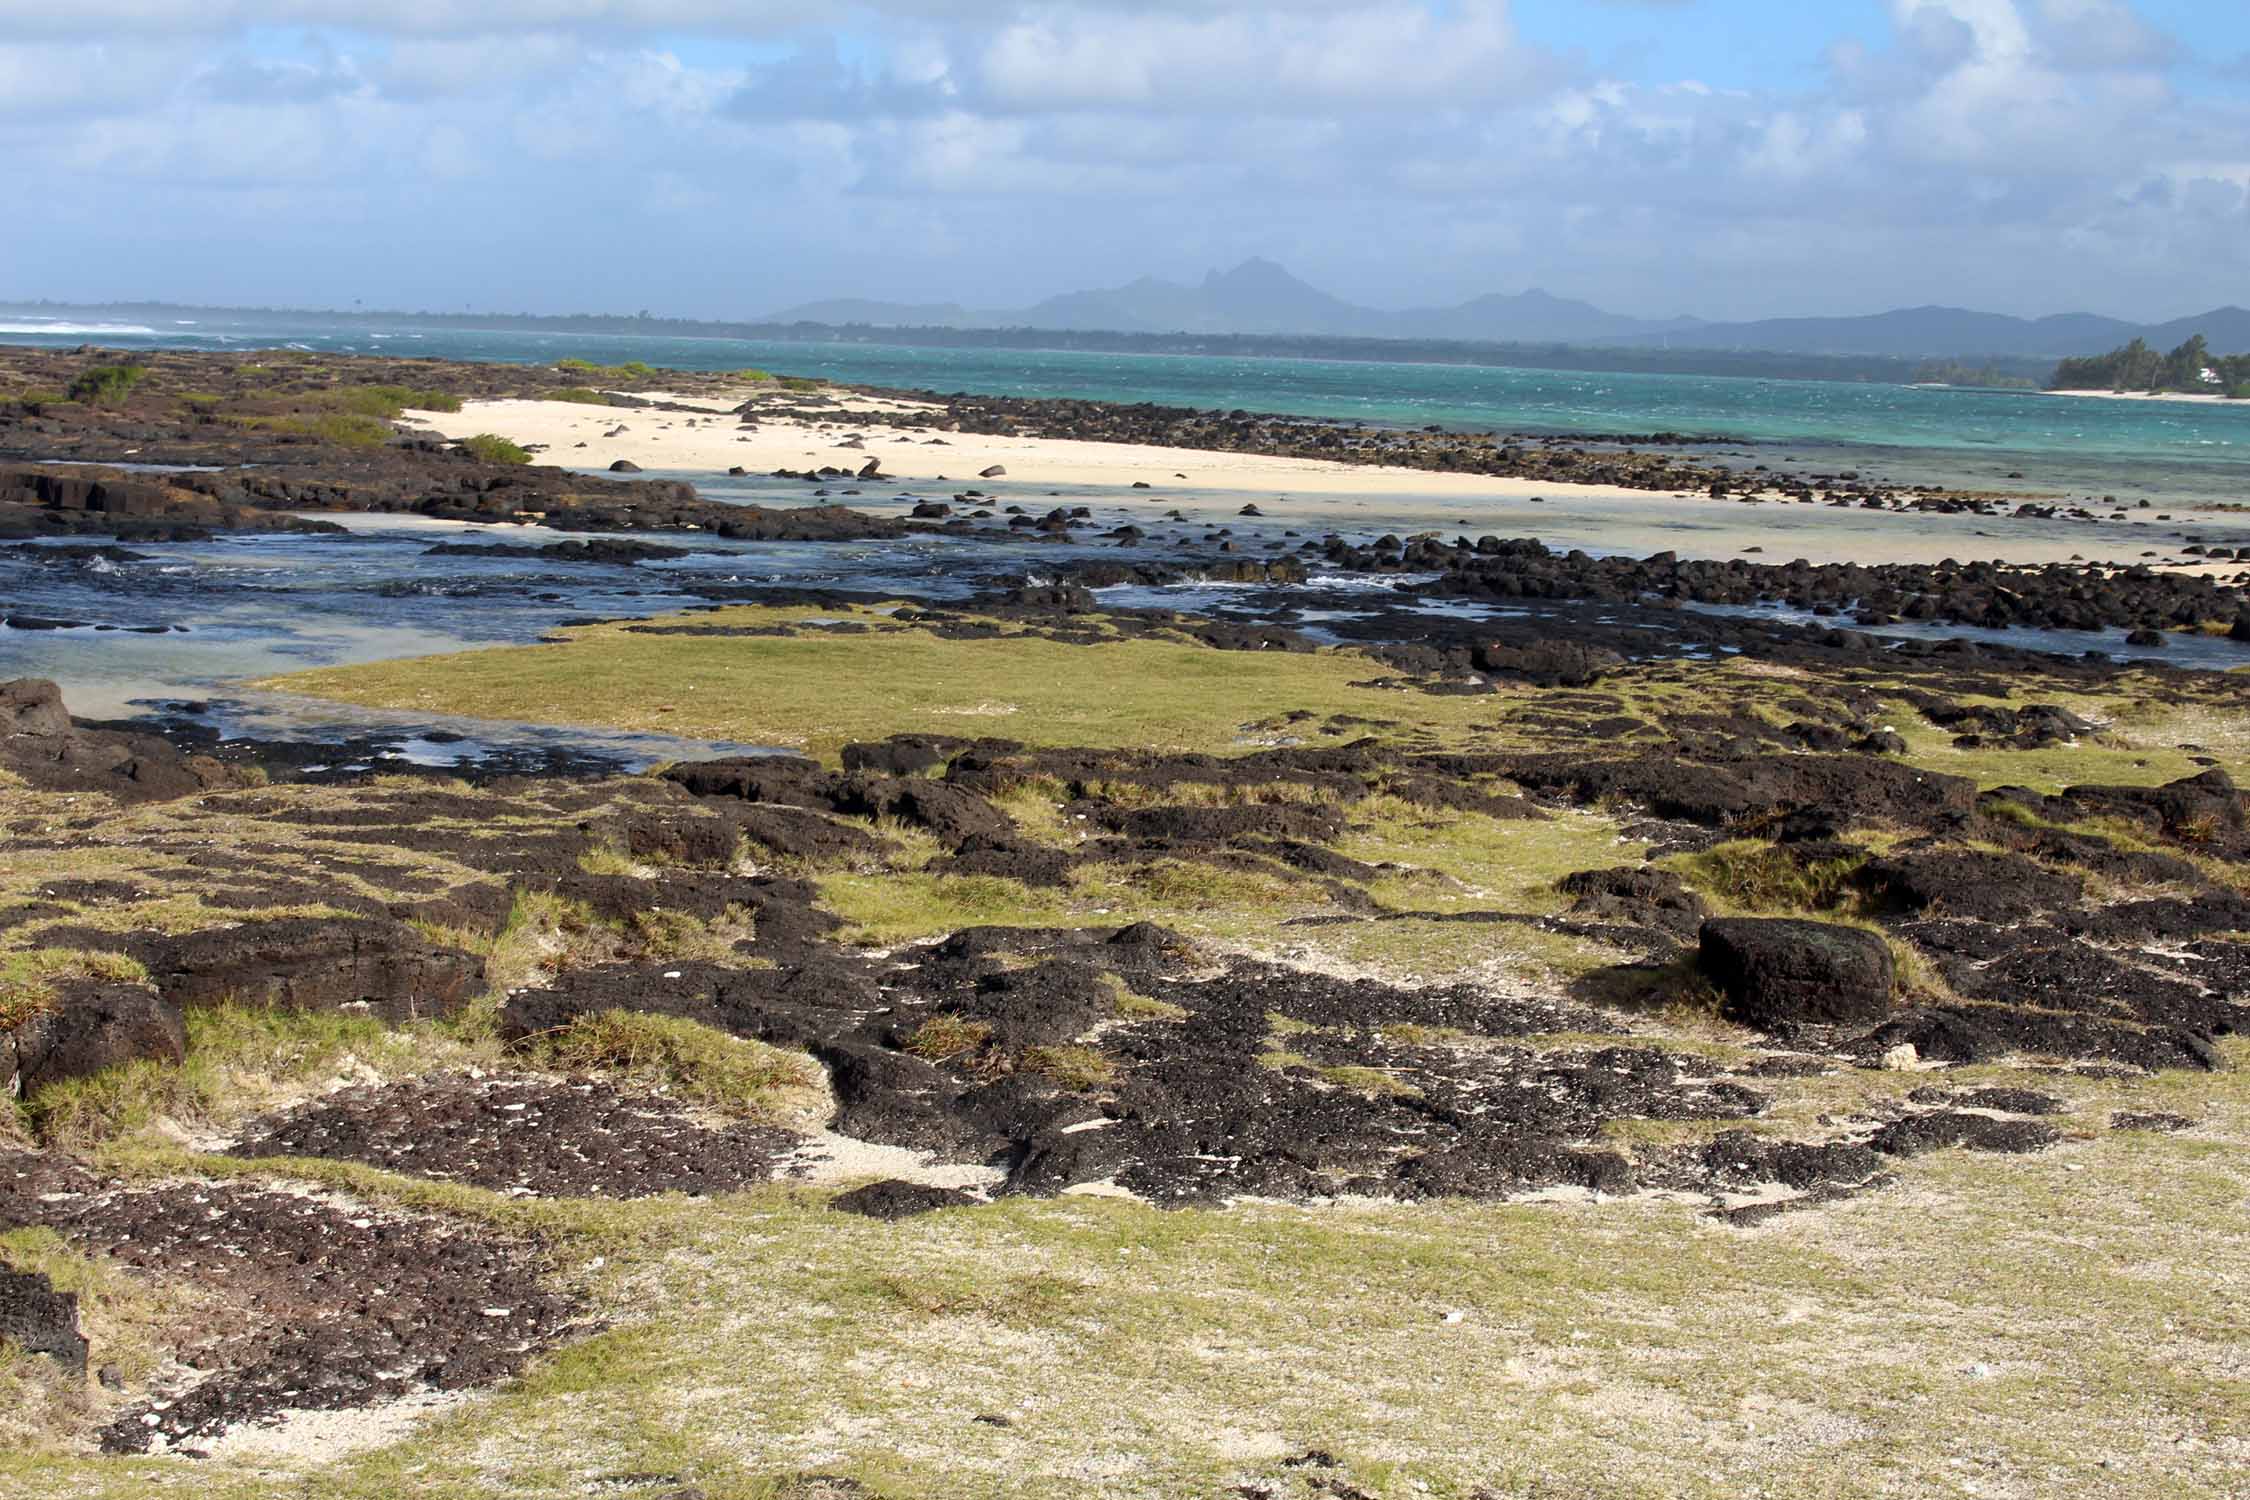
pixel 1085 909
pixel 491 448
pixel 1986 377
pixel 2190 369
pixel 1645 1351
pixel 106 385
pixel 630 372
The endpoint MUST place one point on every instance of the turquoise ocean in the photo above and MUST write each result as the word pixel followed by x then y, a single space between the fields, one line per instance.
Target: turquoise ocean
pixel 2177 451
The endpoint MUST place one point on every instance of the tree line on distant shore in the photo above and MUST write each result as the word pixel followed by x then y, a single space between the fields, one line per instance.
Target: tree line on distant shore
pixel 2191 368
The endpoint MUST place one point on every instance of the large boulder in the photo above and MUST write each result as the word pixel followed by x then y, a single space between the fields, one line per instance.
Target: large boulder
pixel 1780 973
pixel 91 1027
pixel 32 706
pixel 39 743
pixel 385 968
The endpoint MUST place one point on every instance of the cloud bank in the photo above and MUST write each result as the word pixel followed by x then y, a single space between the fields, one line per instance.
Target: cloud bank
pixel 727 157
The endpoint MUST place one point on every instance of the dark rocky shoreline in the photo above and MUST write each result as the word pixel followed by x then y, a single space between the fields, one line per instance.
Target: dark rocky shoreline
pixel 1918 921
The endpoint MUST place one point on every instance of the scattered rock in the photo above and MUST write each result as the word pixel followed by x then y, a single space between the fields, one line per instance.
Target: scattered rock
pixel 1781 973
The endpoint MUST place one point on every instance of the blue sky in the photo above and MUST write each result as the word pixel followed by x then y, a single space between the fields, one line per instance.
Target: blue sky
pixel 731 157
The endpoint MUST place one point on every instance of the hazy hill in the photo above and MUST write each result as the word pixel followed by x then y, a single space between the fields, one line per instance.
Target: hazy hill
pixel 1257 297
pixel 1260 297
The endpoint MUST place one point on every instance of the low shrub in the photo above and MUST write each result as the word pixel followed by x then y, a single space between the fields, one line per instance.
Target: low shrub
pixel 387 401
pixel 491 448
pixel 106 385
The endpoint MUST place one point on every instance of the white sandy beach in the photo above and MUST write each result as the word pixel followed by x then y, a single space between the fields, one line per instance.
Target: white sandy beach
pixel 2194 398
pixel 672 440
pixel 1211 487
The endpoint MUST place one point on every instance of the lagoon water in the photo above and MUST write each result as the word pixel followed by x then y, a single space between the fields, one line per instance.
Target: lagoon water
pixel 2177 451
pixel 245 607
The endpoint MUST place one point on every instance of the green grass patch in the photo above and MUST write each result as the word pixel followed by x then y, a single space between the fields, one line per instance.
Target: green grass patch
pixel 241 1060
pixel 691 1061
pixel 491 448
pixel 1081 1069
pixel 822 690
pixel 107 385
pixel 578 394
pixel 631 370
pixel 945 1036
pixel 1752 876
pixel 385 402
pixel 29 978
pixel 1371 1081
pixel 343 428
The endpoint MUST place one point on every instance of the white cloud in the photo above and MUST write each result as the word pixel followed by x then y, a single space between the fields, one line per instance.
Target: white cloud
pixel 1258 59
pixel 917 145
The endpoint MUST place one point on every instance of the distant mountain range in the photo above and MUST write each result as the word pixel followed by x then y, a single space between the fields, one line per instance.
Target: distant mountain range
pixel 1259 297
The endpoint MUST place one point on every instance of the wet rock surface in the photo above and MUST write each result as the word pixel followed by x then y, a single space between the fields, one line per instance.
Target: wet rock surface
pixel 43 746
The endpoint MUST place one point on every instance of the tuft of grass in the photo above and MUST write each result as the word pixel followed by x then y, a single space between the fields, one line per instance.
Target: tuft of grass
pixel 609 859
pixel 578 394
pixel 692 1061
pixel 491 448
pixel 1130 1004
pixel 631 370
pixel 946 1036
pixel 28 979
pixel 680 935
pixel 1080 1069
pixel 1371 1081
pixel 897 908
pixel 1748 875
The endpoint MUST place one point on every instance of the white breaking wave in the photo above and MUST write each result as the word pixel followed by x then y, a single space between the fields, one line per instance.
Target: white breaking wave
pixel 74 328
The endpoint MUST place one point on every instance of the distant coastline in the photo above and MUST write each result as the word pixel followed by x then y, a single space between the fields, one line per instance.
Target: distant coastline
pixel 2193 397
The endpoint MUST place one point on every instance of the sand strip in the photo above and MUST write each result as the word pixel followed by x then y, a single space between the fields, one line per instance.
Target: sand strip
pixel 1210 488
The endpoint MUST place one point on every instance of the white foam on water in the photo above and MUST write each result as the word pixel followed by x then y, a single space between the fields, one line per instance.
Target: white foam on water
pixel 75 329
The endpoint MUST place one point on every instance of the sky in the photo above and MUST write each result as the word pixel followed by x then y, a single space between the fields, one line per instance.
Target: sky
pixel 728 158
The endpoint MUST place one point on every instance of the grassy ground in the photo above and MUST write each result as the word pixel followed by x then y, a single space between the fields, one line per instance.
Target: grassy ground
pixel 2045 1326
pixel 819 691
pixel 2054 1325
